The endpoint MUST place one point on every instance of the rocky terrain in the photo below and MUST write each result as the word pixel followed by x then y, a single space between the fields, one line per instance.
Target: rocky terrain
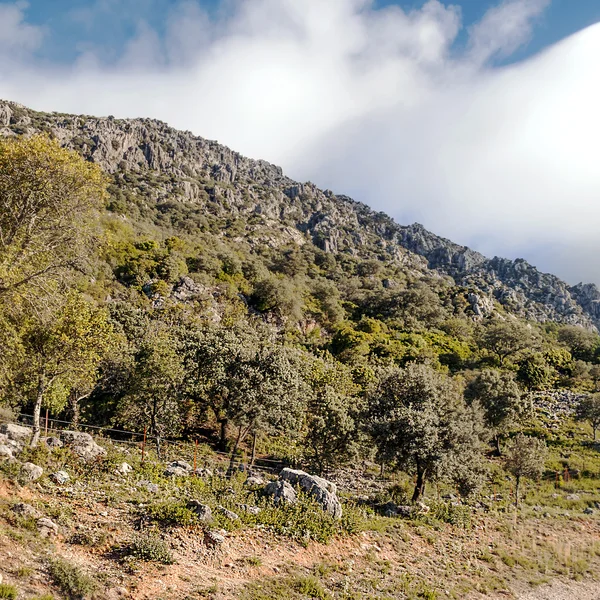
pixel 153 164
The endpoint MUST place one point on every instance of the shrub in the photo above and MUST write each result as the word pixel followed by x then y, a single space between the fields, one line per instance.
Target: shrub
pixel 151 548
pixel 172 513
pixel 8 591
pixel 71 580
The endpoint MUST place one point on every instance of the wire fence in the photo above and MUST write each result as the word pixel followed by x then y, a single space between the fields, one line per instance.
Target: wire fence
pixel 149 447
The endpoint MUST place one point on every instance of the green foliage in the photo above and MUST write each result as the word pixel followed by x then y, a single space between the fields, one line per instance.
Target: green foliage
pixel 525 459
pixel 7 591
pixel 71 580
pixel 150 548
pixel 172 513
pixel 589 410
pixel 419 422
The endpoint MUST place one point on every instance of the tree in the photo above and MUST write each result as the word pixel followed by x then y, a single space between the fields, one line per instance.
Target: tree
pixel 525 459
pixel 418 419
pixel 501 399
pixel 507 339
pixel 61 350
pixel 589 410
pixel 582 344
pixel 245 378
pixel 48 197
pixel 153 397
pixel 333 434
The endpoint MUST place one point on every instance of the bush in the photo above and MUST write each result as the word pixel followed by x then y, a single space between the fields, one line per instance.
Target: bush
pixel 8 591
pixel 175 514
pixel 150 548
pixel 71 580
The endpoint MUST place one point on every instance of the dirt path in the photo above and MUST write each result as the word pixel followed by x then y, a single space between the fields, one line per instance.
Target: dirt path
pixel 565 591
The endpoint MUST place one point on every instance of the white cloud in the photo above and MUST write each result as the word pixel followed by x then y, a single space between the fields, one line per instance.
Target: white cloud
pixel 16 36
pixel 379 105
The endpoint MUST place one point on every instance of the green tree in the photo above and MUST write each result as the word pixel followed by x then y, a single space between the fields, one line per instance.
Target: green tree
pixel 503 404
pixel 61 351
pixel 582 344
pixel 525 458
pixel 48 199
pixel 154 390
pixel 333 434
pixel 588 409
pixel 418 419
pixel 507 339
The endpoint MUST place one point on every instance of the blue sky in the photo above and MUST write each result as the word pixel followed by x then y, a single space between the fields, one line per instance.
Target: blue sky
pixel 480 123
pixel 109 29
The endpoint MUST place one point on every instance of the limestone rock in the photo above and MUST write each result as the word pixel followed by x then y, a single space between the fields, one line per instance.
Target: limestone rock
pixel 82 444
pixel 325 492
pixel 16 433
pixel 178 468
pixel 203 511
pixel 33 472
pixel 254 481
pixel 251 510
pixel 47 527
pixel 124 468
pixel 53 442
pixel 228 514
pixel 26 510
pixel 213 538
pixel 281 491
pixel 60 477
pixel 6 452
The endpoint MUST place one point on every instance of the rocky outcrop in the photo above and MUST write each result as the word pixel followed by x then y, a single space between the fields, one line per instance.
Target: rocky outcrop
pixel 323 491
pixel 281 492
pixel 153 163
pixel 82 444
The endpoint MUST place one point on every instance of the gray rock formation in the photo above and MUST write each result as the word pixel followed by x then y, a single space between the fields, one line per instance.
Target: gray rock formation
pixel 31 471
pixel 202 510
pixel 82 444
pixel 157 164
pixel 281 492
pixel 324 492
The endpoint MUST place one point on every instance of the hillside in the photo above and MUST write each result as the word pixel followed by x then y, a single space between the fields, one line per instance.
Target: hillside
pixel 219 383
pixel 154 166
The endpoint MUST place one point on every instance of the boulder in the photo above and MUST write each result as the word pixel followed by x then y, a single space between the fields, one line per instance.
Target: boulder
pixel 17 433
pixel 6 452
pixel 150 487
pixel 573 497
pixel 26 510
pixel 251 510
pixel 391 509
pixel 60 477
pixel 82 444
pixel 281 491
pixel 124 468
pixel 202 510
pixel 31 471
pixel 203 472
pixel 588 511
pixel 178 468
pixel 47 527
pixel 254 480
pixel 322 490
pixel 213 538
pixel 228 513
pixel 53 442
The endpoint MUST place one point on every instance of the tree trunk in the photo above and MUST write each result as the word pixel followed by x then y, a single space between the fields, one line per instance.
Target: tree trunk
pixel 156 433
pixel 36 412
pixel 223 435
pixel 420 485
pixel 253 458
pixel 233 453
pixel 498 447
pixel 517 483
pixel 74 402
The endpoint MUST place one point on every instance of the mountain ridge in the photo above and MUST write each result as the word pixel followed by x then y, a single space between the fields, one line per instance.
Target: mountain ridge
pixel 152 162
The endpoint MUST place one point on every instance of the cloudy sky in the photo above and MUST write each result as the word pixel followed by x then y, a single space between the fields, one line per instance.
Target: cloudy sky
pixel 478 118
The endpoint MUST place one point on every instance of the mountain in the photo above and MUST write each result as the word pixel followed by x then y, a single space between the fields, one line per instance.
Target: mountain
pixel 157 168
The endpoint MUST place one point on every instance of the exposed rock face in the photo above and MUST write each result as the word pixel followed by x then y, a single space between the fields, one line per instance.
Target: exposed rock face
pixel 281 491
pixel 158 164
pixel 202 510
pixel 322 490
pixel 16 433
pixel 82 444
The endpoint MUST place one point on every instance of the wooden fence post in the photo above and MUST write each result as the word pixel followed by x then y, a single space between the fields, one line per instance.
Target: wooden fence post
pixel 144 445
